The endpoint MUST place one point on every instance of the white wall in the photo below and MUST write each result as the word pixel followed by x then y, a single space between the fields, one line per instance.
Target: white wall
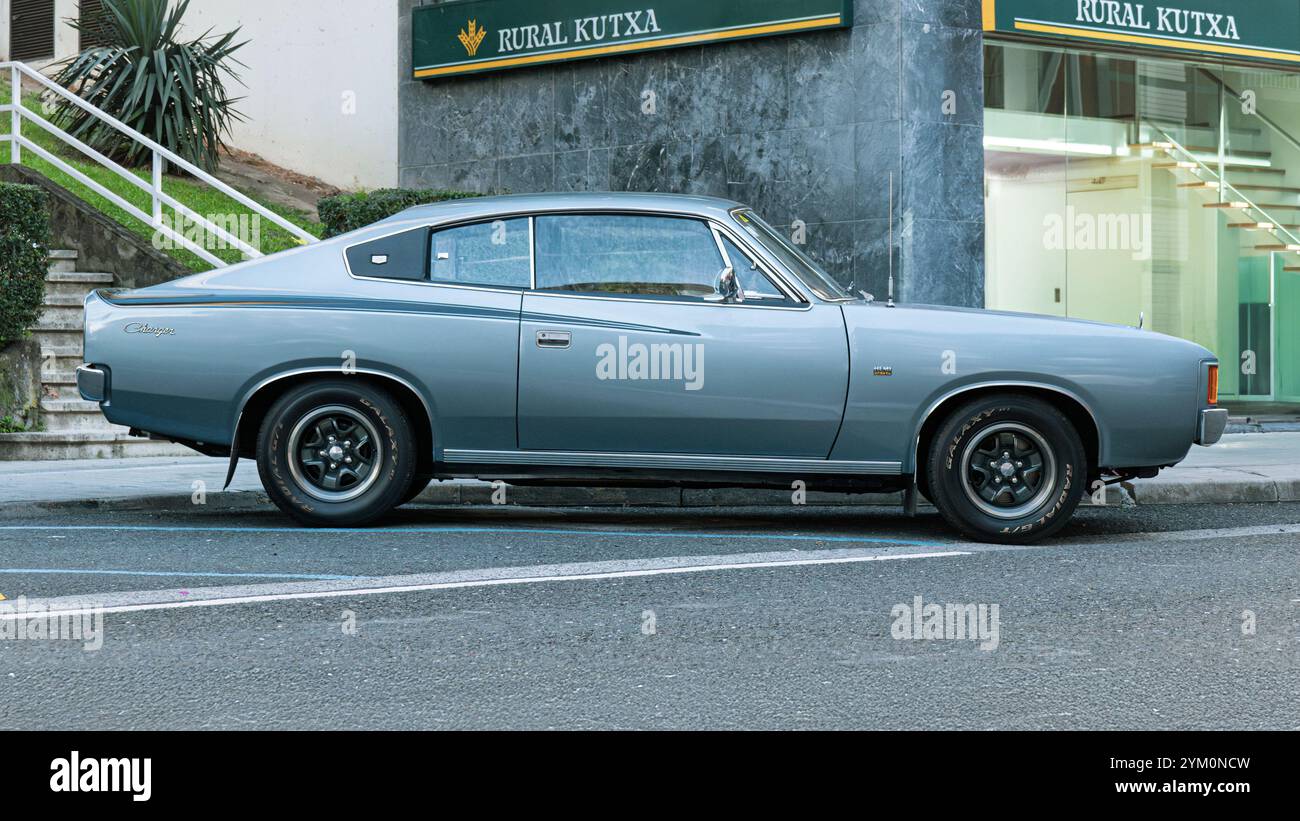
pixel 321 81
pixel 65 36
pixel 4 30
pixel 303 64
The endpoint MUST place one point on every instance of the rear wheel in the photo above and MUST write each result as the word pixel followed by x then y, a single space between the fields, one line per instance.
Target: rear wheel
pixel 1008 469
pixel 336 453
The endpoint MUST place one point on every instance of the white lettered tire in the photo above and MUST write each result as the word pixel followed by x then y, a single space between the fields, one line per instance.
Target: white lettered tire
pixel 1007 468
pixel 337 452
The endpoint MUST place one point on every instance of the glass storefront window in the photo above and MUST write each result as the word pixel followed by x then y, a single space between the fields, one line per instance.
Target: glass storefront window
pixel 1121 186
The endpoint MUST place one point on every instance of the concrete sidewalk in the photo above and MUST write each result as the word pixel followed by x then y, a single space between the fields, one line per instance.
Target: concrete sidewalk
pixel 1252 467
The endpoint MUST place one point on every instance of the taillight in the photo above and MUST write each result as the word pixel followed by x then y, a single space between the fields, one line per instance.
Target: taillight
pixel 1212 387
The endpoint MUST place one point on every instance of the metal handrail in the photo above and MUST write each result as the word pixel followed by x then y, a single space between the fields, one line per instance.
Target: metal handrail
pixel 154 188
pixel 1223 184
pixel 1259 115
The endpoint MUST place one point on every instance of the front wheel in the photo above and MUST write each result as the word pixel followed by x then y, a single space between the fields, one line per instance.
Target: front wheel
pixel 336 453
pixel 1008 469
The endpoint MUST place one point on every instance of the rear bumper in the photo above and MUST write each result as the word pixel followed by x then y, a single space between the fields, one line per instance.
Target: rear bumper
pixel 1210 430
pixel 92 383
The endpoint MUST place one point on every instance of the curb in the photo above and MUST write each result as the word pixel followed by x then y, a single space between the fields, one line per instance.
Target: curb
pixel 1239 488
pixel 1250 426
pixel 1227 487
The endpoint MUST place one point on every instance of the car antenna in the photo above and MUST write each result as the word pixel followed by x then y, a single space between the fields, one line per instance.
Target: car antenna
pixel 890 301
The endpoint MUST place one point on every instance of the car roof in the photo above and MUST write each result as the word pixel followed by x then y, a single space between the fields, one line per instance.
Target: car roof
pixel 576 201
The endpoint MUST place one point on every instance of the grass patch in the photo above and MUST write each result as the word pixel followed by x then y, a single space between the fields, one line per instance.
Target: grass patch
pixel 196 195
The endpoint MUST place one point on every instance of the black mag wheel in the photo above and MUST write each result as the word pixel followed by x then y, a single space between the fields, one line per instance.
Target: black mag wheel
pixel 334 453
pixel 1006 468
pixel 337 452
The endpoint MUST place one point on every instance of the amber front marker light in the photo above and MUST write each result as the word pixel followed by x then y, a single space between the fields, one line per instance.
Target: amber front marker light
pixel 1212 390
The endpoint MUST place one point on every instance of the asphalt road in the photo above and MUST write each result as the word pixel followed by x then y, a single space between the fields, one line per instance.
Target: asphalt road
pixel 738 618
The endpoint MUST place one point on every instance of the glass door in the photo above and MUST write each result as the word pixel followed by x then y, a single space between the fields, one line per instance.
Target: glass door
pixel 1121 186
pixel 1026 146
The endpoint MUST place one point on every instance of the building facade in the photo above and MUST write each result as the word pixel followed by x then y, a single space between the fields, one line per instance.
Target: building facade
pixel 1143 160
pixel 809 128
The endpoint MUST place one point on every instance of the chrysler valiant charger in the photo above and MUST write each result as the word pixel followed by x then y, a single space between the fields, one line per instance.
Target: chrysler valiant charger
pixel 634 339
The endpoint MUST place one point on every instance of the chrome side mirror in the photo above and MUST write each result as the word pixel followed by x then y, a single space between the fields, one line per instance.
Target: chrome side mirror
pixel 728 287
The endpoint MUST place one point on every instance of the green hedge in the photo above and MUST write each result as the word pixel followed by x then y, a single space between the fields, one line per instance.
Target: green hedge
pixel 24 250
pixel 348 212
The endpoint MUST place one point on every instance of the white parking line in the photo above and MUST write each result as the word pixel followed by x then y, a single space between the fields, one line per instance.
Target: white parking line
pixel 587 571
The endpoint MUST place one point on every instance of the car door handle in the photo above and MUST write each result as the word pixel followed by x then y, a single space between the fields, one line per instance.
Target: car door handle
pixel 554 339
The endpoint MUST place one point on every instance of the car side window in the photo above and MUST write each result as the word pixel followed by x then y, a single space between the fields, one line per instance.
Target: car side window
pixel 753 281
pixel 627 254
pixel 493 254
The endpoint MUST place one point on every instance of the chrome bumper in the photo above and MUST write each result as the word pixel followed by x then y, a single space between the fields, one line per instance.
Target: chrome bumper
pixel 92 384
pixel 1213 421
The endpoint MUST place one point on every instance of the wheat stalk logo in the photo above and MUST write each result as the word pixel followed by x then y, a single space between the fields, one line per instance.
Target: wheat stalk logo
pixel 472 39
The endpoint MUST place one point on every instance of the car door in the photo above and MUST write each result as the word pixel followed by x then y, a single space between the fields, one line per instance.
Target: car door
pixel 626 348
pixel 456 290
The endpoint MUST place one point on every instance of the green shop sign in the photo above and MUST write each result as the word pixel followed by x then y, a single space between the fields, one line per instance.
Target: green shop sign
pixel 469 36
pixel 1263 30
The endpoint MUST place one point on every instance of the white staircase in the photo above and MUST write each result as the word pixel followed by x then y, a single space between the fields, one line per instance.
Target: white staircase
pixel 73 428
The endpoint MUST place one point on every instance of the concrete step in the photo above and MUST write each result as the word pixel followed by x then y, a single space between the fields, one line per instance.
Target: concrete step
pixel 68 351
pixel 72 290
pixel 61 392
pixel 51 362
pixel 72 406
pixel 59 385
pixel 59 338
pixel 85 277
pixel 62 260
pixel 59 377
pixel 61 365
pixel 63 300
pixel 61 319
pixel 111 444
pixel 65 422
pixel 73 414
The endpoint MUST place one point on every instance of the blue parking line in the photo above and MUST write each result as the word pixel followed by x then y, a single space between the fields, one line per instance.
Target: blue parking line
pixel 59 571
pixel 652 534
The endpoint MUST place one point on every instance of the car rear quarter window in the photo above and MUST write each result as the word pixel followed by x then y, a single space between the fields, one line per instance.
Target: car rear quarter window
pixel 494 254
pixel 649 256
pixel 397 256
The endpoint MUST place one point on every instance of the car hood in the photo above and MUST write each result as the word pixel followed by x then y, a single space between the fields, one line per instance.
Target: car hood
pixel 983 322
pixel 987 312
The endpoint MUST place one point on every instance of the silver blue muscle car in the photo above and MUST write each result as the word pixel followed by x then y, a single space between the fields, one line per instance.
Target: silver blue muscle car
pixel 605 339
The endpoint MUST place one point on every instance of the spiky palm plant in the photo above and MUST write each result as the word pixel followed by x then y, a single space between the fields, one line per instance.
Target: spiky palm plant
pixel 170 90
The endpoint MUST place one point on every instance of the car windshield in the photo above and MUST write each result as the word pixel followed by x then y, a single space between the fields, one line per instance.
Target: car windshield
pixel 812 274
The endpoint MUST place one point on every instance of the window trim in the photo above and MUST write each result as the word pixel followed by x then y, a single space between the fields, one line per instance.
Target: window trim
pixel 787 296
pixel 848 298
pixel 429 229
pixel 801 300
pixel 793 299
pixel 410 229
pixel 702 221
pixel 509 289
